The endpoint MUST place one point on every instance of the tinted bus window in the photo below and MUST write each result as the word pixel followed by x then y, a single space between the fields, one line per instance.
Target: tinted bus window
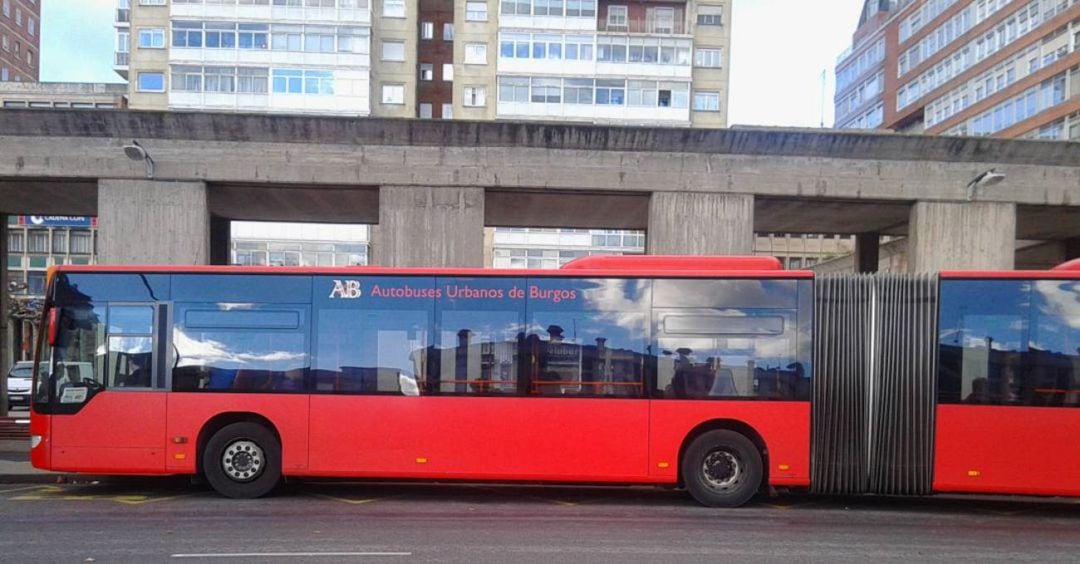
pixel 79 288
pixel 588 337
pixel 373 334
pixel 481 330
pixel 240 347
pixel 1009 342
pixel 732 339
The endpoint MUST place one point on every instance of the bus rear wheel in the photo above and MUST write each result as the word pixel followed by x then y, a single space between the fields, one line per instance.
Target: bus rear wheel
pixel 242 460
pixel 722 468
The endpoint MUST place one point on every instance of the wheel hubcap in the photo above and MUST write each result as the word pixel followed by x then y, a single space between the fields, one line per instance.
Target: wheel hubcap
pixel 243 460
pixel 722 470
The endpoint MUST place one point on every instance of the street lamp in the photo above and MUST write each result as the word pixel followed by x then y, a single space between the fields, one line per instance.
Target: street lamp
pixel 136 152
pixel 984 180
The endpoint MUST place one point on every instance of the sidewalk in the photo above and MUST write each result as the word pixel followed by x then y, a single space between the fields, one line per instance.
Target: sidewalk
pixel 15 465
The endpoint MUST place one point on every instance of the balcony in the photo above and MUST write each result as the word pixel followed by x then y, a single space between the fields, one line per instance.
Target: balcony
pixel 646 27
pixel 122 59
pixel 123 15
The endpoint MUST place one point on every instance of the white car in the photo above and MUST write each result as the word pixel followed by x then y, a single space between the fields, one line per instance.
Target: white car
pixel 18 384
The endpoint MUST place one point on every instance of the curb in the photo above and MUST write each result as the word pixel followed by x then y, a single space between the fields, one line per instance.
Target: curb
pixel 50 478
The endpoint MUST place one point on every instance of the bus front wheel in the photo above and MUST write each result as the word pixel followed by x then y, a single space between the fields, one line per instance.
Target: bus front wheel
pixel 243 460
pixel 722 468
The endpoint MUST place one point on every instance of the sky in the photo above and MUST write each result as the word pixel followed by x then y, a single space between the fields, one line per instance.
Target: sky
pixel 779 49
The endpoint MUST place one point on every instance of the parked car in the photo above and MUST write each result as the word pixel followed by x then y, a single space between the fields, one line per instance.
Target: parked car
pixel 18 384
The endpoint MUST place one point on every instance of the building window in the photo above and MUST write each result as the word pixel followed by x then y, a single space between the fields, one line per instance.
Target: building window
pixel 253 36
pixel 393 50
pixel 6 43
pixel 3 74
pixel 427 30
pixel 476 11
pixel 30 28
pixel 15 242
pixel 706 101
pixel 29 57
pixel 425 110
pixel 476 53
pixel 220 79
pixel 427 71
pixel 186 78
pixel 710 15
pixel 318 39
pixel 708 58
pixel 38 242
pixel 393 8
pixel 288 81
pixel 448 72
pixel 513 89
pixel 252 80
pixel 448 31
pixel 546 90
pixel 7 8
pixel 448 111
pixel 581 8
pixel 59 242
pixel 475 97
pixel 393 94
pixel 151 2
pixel 151 82
pixel 617 17
pixel 187 34
pixel 82 243
pixel 152 38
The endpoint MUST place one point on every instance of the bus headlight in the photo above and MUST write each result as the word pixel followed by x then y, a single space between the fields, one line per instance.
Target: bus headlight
pixel 35 440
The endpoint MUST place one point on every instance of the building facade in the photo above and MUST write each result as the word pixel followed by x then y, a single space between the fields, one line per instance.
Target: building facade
pixel 77 95
pixel 287 56
pixel 34 243
pixel 632 62
pixel 256 243
pixel 1001 68
pixel 20 40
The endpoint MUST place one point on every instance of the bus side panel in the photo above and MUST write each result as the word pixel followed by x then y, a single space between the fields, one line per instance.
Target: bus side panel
pixel 491 438
pixel 784 426
pixel 40 456
pixel 189 412
pixel 1007 449
pixel 121 432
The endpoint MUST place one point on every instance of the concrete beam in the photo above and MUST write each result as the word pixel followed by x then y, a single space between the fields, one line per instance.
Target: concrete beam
pixel 566 209
pixel 153 222
pixel 700 224
pixel 950 236
pixel 429 226
pixel 39 197
pixel 312 203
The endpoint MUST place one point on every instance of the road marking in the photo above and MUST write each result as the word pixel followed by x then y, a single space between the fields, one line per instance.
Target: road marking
pixel 22 489
pixel 286 554
pixel 345 499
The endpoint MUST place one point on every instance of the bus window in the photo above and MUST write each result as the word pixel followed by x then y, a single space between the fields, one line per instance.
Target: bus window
pixel 372 333
pixel 588 337
pixel 1054 345
pixel 131 341
pixel 78 361
pixel 240 347
pixel 982 338
pixel 481 329
pixel 730 339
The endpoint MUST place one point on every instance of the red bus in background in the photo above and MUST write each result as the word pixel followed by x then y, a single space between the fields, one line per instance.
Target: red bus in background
pixel 690 371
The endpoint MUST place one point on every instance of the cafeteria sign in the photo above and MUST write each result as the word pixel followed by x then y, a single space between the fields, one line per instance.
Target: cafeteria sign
pixel 55 221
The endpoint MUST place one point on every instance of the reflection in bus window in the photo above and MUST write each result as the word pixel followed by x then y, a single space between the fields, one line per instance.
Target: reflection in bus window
pixel 215 356
pixel 480 334
pixel 588 337
pixel 1009 342
pixel 732 339
pixel 365 351
pixel 79 359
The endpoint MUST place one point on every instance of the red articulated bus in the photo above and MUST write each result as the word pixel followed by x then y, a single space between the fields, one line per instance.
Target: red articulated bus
pixel 722 375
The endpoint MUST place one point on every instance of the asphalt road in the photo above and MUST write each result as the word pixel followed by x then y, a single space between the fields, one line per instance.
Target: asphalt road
pixel 157 521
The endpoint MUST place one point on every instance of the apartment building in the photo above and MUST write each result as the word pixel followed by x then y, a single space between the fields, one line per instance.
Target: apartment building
pixel 79 95
pixel 631 62
pixel 20 40
pixel 289 56
pixel 1001 68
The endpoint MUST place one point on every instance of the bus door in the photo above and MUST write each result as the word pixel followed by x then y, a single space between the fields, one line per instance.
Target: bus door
pixel 108 387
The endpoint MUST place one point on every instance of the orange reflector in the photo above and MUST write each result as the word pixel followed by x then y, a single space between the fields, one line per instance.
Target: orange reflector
pixel 784 467
pixel 179 440
pixel 974 473
pixel 421 460
pixel 662 464
pixel 180 456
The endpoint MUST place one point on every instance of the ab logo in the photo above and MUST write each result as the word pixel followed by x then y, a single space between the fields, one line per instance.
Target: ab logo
pixel 347 289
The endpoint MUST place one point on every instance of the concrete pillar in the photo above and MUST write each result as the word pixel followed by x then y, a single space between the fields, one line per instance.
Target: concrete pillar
pixel 429 226
pixel 152 222
pixel 962 236
pixel 867 246
pixel 5 337
pixel 682 223
pixel 220 240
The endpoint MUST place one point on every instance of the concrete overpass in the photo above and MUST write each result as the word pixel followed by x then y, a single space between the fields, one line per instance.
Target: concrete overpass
pixel 431 186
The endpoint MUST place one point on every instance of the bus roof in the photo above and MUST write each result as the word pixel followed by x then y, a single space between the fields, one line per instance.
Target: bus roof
pixel 655 270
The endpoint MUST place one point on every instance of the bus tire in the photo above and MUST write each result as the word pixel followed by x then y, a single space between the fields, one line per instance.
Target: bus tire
pixel 722 468
pixel 243 460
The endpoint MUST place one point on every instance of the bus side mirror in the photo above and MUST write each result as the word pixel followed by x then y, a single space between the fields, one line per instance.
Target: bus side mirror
pixel 54 325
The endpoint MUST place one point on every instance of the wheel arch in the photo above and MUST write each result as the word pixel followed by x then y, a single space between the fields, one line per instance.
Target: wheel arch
pixel 222 420
pixel 736 425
